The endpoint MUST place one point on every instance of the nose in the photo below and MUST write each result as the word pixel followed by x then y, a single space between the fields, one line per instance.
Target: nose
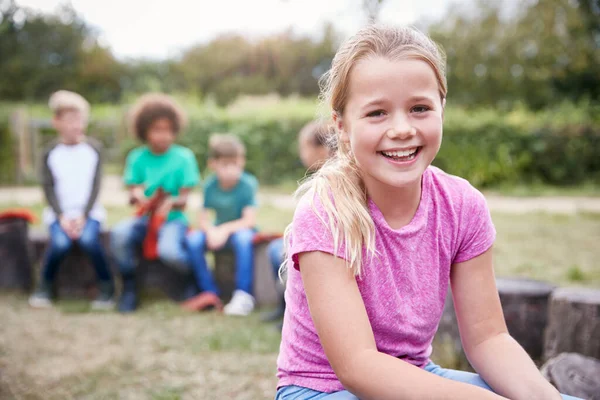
pixel 401 128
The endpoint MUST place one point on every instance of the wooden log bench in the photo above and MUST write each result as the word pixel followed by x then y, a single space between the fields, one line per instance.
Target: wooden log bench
pixel 573 323
pixel 76 277
pixel 16 271
pixel 574 374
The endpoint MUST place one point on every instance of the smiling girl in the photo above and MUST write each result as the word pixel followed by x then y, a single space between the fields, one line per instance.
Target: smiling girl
pixel 379 235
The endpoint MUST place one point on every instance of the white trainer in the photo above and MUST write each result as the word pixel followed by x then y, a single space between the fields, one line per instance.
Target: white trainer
pixel 241 304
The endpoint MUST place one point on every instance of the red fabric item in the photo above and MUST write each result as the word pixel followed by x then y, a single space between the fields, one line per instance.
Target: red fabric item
pixel 150 243
pixel 261 237
pixel 18 213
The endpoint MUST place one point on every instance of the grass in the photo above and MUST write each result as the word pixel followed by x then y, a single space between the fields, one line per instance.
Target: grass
pixel 162 352
pixel 587 189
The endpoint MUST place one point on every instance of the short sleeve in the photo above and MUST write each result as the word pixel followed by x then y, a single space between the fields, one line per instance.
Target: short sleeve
pixel 250 190
pixel 191 173
pixel 310 230
pixel 133 174
pixel 209 186
pixel 476 231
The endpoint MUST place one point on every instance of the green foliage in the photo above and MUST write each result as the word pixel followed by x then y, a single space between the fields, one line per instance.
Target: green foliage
pixel 539 54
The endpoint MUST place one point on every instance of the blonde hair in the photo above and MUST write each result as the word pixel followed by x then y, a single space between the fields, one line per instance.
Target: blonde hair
pixel 64 100
pixel 338 184
pixel 225 145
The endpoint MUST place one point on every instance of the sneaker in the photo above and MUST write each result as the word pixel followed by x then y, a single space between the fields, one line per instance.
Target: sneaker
pixel 42 297
pixel 105 300
pixel 203 301
pixel 241 304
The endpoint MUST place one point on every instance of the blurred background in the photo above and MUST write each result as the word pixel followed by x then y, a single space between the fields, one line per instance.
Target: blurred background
pixel 522 125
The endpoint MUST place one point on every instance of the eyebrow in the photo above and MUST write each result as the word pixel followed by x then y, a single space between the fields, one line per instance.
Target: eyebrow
pixel 379 101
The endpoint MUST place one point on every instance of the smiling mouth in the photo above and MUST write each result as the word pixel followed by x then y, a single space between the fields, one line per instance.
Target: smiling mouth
pixel 401 155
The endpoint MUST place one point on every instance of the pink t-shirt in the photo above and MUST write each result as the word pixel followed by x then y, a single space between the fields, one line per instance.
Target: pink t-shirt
pixel 403 289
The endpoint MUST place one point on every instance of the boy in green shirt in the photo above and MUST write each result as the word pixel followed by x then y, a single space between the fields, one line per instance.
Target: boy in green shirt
pixel 158 164
pixel 231 194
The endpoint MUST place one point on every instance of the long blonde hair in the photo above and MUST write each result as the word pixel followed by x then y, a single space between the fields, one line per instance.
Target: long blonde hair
pixel 338 184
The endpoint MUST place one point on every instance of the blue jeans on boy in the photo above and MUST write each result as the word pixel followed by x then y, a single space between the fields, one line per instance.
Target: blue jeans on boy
pixel 240 243
pixel 275 253
pixel 89 242
pixel 128 235
pixel 300 393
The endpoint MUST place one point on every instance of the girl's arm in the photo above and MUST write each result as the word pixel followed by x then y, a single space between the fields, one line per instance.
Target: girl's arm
pixel 342 324
pixel 494 354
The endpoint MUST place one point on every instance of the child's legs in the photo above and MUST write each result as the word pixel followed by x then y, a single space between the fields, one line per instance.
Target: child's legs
pixel 196 247
pixel 301 393
pixel 275 252
pixel 241 243
pixel 171 245
pixel 59 246
pixel 468 377
pixel 125 238
pixel 90 243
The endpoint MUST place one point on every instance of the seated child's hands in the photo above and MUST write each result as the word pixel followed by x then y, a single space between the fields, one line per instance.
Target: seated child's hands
pixel 70 227
pixel 216 238
pixel 78 225
pixel 164 207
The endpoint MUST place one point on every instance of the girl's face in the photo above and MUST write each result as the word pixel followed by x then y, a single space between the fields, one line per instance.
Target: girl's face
pixel 392 120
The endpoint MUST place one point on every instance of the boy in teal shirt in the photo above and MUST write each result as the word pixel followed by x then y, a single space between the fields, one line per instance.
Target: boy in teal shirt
pixel 231 194
pixel 159 164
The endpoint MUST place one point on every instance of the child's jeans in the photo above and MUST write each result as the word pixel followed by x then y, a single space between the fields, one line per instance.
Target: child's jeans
pixel 275 253
pixel 128 235
pixel 300 393
pixel 241 244
pixel 89 242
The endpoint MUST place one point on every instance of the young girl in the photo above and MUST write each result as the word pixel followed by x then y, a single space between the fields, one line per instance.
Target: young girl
pixel 377 237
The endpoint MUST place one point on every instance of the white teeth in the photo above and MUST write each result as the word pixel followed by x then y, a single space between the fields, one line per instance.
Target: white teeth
pixel 400 153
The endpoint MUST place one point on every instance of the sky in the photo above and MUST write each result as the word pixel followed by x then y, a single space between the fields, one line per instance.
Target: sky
pixel 163 28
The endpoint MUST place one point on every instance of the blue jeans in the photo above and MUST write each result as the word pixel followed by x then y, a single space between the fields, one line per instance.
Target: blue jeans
pixel 90 244
pixel 300 393
pixel 128 235
pixel 240 243
pixel 275 253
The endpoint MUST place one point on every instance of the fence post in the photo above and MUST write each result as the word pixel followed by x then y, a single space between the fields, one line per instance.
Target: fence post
pixel 19 128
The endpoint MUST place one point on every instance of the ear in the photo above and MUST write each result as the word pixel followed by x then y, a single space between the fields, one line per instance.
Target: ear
pixel 55 121
pixel 339 125
pixel 242 162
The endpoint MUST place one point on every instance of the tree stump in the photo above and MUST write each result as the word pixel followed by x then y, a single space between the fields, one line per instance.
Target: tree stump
pixel 574 374
pixel 177 285
pixel 264 286
pixel 525 306
pixel 15 264
pixel 573 323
